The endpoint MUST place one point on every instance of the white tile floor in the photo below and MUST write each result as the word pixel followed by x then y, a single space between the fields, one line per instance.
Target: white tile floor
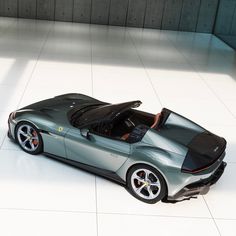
pixel 193 74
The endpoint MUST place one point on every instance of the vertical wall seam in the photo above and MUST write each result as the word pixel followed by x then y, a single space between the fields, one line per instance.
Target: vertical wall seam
pixel 72 11
pixel 36 10
pixel 91 10
pixel 163 9
pixel 215 17
pixel 198 14
pixel 53 15
pixel 91 2
pixel 145 11
pixel 163 15
pixel 18 5
pixel 127 13
pixel 90 13
pixel 180 17
pixel 109 13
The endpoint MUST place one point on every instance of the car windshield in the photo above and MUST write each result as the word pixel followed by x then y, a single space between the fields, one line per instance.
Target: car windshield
pixel 98 113
pixel 76 115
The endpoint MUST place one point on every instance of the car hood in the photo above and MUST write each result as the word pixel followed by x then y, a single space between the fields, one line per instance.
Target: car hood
pixel 57 108
pixel 62 103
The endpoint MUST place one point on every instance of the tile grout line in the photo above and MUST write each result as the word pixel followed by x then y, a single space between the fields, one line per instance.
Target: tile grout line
pixel 165 216
pixel 96 204
pixel 47 210
pixel 211 215
pixel 152 215
pixel 145 69
pixel 217 218
pixel 31 74
pixel 109 213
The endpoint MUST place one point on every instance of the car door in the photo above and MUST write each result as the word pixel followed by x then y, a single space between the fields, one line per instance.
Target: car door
pixel 97 151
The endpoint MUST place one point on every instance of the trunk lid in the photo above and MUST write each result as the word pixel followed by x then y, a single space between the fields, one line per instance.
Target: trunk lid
pixel 204 147
pixel 204 150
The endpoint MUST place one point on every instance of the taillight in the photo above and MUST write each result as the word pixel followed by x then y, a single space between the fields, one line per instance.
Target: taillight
pixel 196 170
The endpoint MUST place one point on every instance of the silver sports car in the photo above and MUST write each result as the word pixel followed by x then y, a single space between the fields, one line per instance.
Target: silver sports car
pixel 157 157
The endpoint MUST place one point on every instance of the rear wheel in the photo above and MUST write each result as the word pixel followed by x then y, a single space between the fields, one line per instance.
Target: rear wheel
pixel 146 184
pixel 29 138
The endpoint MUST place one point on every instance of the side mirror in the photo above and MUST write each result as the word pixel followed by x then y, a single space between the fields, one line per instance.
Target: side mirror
pixel 85 133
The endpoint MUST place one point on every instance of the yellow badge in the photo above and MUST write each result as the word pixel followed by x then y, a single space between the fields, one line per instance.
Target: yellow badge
pixel 60 129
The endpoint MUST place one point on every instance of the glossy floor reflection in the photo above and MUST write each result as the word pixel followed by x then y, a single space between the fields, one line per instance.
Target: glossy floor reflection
pixel 192 74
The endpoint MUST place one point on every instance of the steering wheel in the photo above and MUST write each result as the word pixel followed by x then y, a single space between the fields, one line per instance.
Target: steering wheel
pixel 105 128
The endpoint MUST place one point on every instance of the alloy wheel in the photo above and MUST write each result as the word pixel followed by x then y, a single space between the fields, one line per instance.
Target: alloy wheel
pixel 28 137
pixel 145 184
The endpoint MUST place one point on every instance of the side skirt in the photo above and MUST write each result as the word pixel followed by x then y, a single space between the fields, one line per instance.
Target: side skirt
pixel 94 170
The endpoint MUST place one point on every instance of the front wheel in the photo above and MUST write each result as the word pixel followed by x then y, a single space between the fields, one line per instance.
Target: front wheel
pixel 29 138
pixel 146 184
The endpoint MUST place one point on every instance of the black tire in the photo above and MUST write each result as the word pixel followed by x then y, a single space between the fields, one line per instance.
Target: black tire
pixel 154 177
pixel 32 134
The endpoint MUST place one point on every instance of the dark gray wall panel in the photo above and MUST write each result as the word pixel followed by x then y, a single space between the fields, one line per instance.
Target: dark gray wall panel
pixel 8 8
pixel 172 14
pixel 45 9
pixel 27 9
pixel 136 13
pixel 82 11
pixel 63 11
pixel 231 40
pixel 225 16
pixel 218 16
pixel 100 11
pixel 207 16
pixel 118 12
pixel 189 16
pixel 225 27
pixel 233 27
pixel 2 6
pixel 154 13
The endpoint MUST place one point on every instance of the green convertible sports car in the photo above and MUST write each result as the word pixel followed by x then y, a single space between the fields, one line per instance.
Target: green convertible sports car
pixel 157 157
